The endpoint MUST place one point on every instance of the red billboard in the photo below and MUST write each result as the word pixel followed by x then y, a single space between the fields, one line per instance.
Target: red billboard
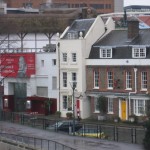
pixel 17 64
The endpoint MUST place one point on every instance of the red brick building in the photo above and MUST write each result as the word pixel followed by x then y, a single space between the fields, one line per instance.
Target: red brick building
pixel 24 3
pixel 118 69
pixel 102 6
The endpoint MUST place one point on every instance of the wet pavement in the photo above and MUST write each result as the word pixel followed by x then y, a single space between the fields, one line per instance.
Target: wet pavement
pixel 80 143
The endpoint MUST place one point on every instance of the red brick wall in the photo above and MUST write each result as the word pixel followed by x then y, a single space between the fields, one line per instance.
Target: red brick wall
pixel 19 3
pixel 118 73
pixel 88 2
pixel 71 3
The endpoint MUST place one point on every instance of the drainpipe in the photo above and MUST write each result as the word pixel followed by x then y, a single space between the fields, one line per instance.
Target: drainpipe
pixel 135 85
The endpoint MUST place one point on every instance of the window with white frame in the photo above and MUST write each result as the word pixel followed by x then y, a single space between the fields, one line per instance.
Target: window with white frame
pixel 42 91
pixel 110 80
pixel 96 79
pixel 110 105
pixel 42 63
pixel 143 80
pixel 96 105
pixel 69 107
pixel 53 62
pixel 64 79
pixel 72 35
pixel 64 57
pixel 74 78
pixel 139 107
pixel 74 57
pixel 139 52
pixel 54 83
pixel 128 80
pixel 65 103
pixel 105 53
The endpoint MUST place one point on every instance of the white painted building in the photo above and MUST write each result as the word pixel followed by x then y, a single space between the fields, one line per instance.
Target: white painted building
pixel 74 47
pixel 43 82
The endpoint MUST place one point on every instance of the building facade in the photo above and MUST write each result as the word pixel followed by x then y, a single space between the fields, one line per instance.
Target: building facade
pixel 74 47
pixel 102 6
pixel 30 78
pixel 119 70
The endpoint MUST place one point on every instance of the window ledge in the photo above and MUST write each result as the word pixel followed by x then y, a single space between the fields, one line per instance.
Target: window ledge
pixel 73 63
pixel 128 89
pixel 110 113
pixel 110 88
pixel 64 63
pixel 96 88
pixel 145 90
pixel 96 112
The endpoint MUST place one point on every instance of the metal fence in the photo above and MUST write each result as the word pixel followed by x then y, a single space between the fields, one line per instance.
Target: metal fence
pixel 32 142
pixel 129 133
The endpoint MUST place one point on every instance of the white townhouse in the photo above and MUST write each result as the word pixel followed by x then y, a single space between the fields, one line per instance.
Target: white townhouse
pixel 73 48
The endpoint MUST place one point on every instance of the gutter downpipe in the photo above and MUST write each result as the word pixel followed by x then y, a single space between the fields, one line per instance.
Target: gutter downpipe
pixel 135 82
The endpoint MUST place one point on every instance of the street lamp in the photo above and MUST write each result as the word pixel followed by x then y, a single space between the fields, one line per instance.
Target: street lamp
pixel 73 86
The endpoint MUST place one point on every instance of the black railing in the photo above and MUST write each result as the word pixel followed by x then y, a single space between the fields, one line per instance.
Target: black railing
pixel 32 142
pixel 130 134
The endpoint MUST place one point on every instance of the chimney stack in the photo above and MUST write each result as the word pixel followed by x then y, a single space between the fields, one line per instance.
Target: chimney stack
pixel 133 27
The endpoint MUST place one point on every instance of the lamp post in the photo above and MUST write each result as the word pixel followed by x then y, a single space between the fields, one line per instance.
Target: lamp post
pixel 73 86
pixel 58 44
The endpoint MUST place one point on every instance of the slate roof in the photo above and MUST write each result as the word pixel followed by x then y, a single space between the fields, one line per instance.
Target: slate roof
pixel 80 25
pixel 120 38
pixel 121 45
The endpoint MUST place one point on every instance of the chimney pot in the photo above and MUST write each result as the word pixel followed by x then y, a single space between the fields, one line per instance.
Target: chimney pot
pixel 133 28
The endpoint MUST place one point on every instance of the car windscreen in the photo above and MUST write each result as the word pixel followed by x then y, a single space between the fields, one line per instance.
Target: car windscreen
pixel 57 124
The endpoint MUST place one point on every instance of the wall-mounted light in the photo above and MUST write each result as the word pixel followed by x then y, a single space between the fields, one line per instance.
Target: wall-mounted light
pixel 28 104
pixel 5 102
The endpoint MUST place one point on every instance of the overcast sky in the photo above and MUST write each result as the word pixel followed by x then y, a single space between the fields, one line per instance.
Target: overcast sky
pixel 136 2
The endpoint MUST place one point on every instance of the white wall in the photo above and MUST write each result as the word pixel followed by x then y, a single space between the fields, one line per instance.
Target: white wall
pixel 43 77
pixel 82 47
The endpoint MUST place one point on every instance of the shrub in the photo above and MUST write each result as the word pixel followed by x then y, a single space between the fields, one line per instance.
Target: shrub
pixel 146 140
pixel 58 113
pixel 133 118
pixel 69 115
pixel 102 104
pixel 116 118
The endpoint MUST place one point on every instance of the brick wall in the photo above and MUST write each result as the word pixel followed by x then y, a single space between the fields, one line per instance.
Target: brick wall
pixel 19 3
pixel 71 3
pixel 119 73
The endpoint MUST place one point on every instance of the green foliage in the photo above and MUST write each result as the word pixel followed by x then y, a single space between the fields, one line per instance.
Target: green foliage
pixel 148 108
pixel 69 115
pixel 102 104
pixel 48 103
pixel 146 140
pixel 58 113
pixel 133 118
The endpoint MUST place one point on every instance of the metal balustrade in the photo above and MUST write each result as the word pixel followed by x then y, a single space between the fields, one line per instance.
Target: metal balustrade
pixel 126 133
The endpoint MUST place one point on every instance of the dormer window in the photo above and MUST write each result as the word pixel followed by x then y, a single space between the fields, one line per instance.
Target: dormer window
pixel 139 52
pixel 105 52
pixel 72 35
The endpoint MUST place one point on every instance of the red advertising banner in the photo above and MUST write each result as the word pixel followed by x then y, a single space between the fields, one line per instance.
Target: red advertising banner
pixel 17 64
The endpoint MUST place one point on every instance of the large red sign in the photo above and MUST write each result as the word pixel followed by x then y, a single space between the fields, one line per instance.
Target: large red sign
pixel 17 65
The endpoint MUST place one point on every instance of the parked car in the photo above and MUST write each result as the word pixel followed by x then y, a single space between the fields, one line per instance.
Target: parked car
pixel 66 126
pixel 91 133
